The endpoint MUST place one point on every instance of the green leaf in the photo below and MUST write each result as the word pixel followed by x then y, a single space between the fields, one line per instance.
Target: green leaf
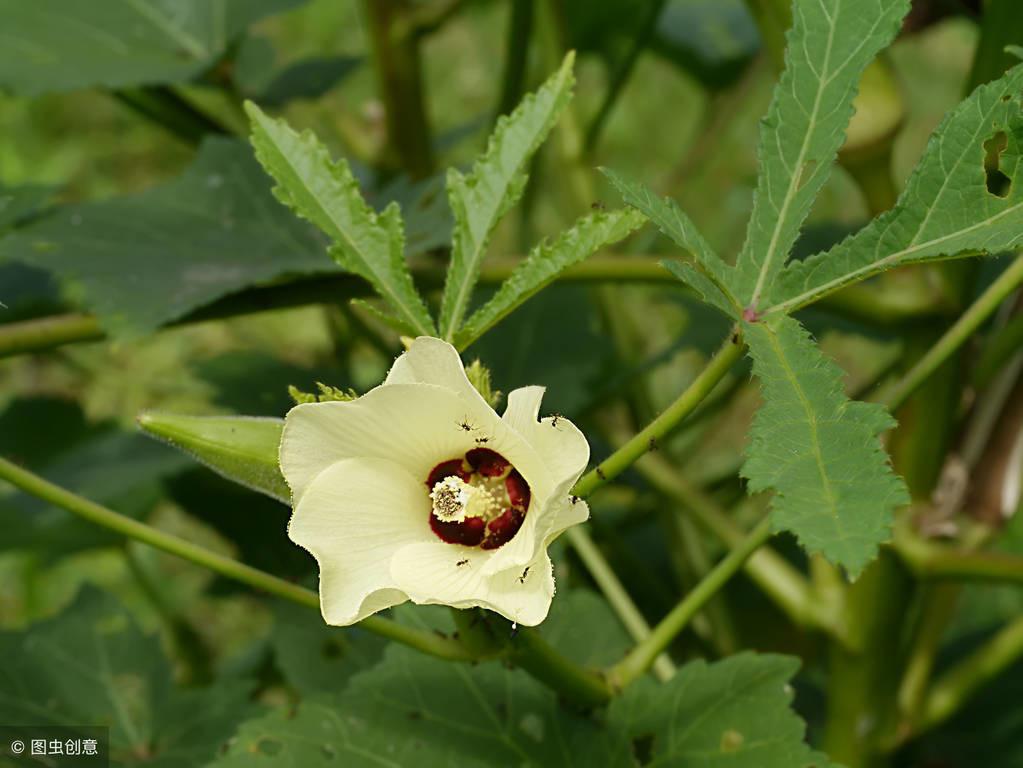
pixel 669 218
pixel 479 200
pixel 830 44
pixel 326 193
pixel 414 710
pixel 60 45
pixel 145 260
pixel 241 448
pixel 951 205
pixel 316 658
pixel 544 263
pixel 731 713
pixel 707 289
pixel 92 665
pixel 115 468
pixel 819 451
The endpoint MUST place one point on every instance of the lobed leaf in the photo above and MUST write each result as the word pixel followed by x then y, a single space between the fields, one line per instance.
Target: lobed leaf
pixel 411 710
pixel 545 262
pixel 817 450
pixel 952 203
pixel 734 712
pixel 326 193
pixel 830 44
pixel 479 201
pixel 145 260
pixel 91 664
pixel 60 45
pixel 243 449
pixel 711 277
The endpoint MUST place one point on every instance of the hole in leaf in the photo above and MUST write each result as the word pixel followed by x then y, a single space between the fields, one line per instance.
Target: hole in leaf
pixel 998 184
pixel 268 747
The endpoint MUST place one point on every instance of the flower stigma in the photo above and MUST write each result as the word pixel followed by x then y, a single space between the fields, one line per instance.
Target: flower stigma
pixel 478 500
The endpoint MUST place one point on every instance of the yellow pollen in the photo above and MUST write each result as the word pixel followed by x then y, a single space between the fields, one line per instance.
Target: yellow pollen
pixel 454 500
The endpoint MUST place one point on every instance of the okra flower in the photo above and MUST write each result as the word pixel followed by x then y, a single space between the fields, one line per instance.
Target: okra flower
pixel 419 491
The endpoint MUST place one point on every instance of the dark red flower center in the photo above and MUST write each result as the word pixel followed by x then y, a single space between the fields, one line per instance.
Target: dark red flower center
pixel 479 500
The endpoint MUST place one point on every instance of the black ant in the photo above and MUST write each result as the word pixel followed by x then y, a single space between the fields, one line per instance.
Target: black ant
pixel 460 563
pixel 554 419
pixel 574 499
pixel 598 205
pixel 482 440
pixel 525 572
pixel 652 445
pixel 465 426
pixel 600 473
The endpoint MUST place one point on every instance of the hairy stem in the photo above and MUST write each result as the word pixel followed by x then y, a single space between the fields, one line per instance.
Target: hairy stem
pixel 642 656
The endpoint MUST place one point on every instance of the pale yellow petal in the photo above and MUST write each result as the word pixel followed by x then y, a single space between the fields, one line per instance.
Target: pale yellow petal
pixel 353 519
pixel 560 444
pixel 415 425
pixel 439 573
pixel 433 361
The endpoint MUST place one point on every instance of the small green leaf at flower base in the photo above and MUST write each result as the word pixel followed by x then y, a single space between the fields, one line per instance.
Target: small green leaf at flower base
pixel 241 448
pixel 479 376
pixel 327 394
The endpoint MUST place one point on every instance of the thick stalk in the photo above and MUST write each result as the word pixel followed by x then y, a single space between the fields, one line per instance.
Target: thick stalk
pixel 399 78
pixel 427 642
pixel 642 656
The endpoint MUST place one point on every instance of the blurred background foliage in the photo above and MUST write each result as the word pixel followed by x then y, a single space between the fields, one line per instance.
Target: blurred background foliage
pixel 128 194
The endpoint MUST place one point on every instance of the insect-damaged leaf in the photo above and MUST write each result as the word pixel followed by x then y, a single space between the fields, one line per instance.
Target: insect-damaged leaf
pixel 817 450
pixel 965 196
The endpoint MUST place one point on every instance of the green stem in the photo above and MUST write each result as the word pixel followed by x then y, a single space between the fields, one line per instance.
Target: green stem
pixel 167 109
pixel 399 75
pixel 48 332
pixel 622 73
pixel 30 483
pixel 883 307
pixel 642 656
pixel 775 576
pixel 513 78
pixel 955 336
pixel 955 687
pixel 538 658
pixel 936 561
pixel 603 574
pixel 647 438
pixel 939 604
